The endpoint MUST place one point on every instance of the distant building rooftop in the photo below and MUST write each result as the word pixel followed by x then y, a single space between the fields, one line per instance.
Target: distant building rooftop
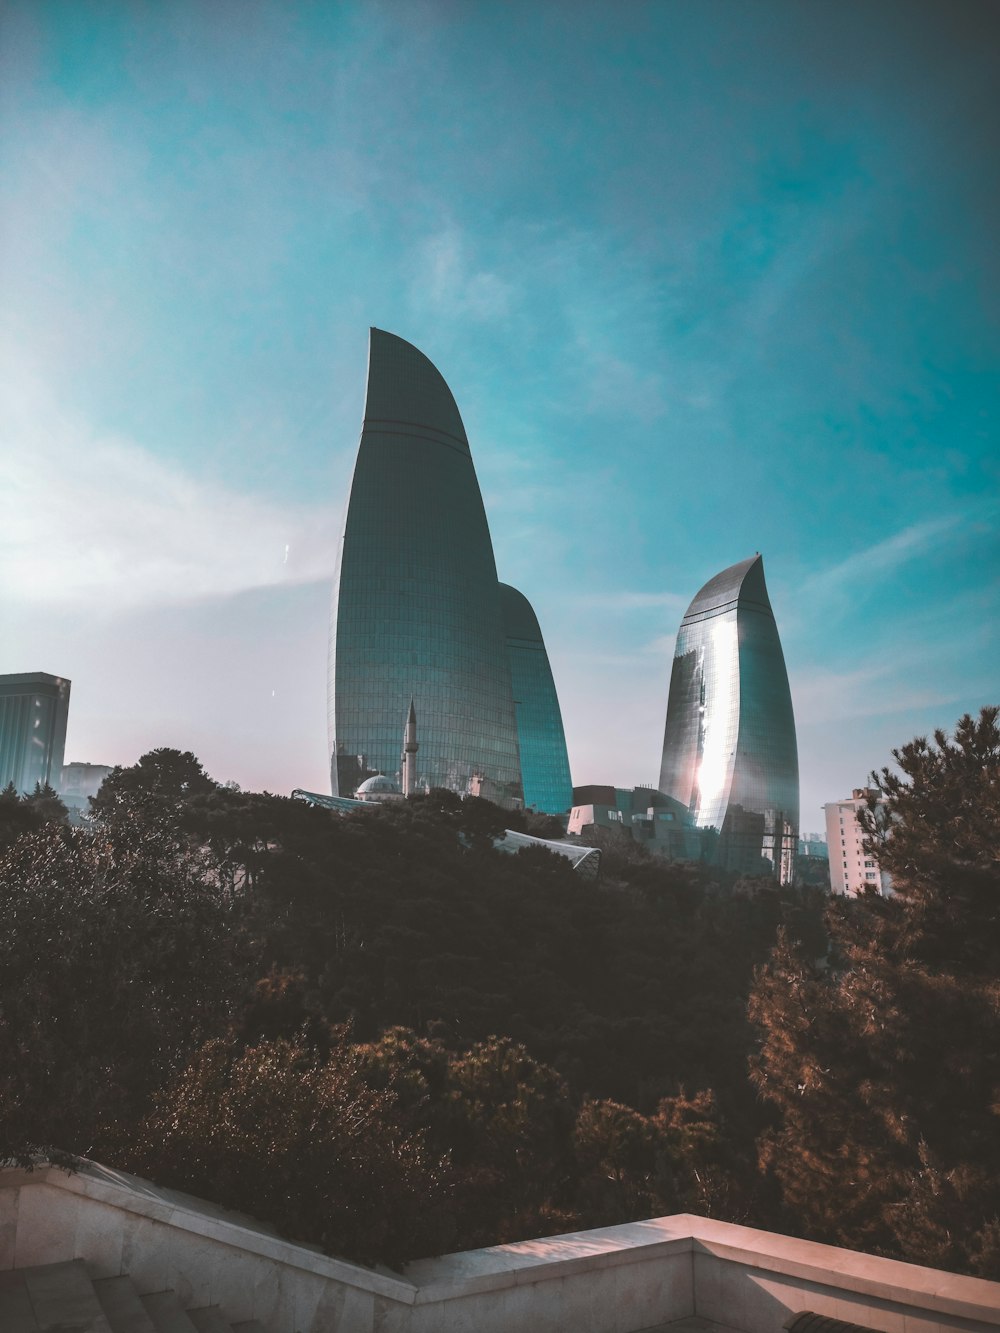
pixel 586 861
pixel 342 804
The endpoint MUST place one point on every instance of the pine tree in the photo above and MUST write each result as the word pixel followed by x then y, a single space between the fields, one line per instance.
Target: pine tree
pixel 883 1057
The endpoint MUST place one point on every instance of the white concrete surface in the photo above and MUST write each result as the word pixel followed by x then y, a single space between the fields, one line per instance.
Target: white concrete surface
pixel 615 1280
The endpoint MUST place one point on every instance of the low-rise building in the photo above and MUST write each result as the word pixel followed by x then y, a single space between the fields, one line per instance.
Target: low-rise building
pixel 657 821
pixel 814 844
pixel 77 784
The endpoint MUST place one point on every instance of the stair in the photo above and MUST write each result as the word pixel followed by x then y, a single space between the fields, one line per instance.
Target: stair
pixel 209 1320
pixel 122 1307
pixel 167 1314
pixel 63 1298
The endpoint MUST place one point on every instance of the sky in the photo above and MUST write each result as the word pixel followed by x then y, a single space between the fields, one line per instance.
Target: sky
pixel 705 277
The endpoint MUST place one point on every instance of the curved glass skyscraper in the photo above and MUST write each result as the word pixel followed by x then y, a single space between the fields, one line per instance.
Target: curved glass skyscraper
pixel 416 610
pixel 729 750
pixel 542 741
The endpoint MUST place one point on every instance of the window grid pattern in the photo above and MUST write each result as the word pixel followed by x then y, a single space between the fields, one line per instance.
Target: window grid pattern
pixel 33 712
pixel 416 604
pixel 541 738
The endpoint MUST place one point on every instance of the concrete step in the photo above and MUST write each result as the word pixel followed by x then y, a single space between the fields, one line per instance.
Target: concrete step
pixel 122 1307
pixel 63 1297
pixel 692 1324
pixel 209 1319
pixel 16 1313
pixel 166 1312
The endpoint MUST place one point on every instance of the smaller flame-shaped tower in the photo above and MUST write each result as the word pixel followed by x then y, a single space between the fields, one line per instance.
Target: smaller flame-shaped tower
pixel 729 750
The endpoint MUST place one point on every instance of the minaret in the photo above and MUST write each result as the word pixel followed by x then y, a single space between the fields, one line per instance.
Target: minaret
pixel 410 748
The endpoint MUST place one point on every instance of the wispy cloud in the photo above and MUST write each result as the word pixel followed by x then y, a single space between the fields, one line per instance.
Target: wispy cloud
pixel 884 557
pixel 449 279
pixel 662 646
pixel 615 385
pixel 95 520
pixel 875 690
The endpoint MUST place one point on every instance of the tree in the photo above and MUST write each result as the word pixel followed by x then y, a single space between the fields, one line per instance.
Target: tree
pixel 501 1119
pixel 24 814
pixel 301 1141
pixel 160 781
pixel 615 1148
pixel 487 995
pixel 678 1160
pixel 118 960
pixel 883 1057
pixel 45 804
pixel 934 827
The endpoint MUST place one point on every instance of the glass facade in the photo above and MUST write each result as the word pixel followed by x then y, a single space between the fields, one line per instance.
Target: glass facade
pixel 729 752
pixel 34 708
pixel 541 739
pixel 416 610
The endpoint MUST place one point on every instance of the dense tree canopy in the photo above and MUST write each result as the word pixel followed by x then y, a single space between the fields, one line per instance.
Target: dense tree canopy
pixel 24 814
pixel 118 959
pixel 161 780
pixel 301 1140
pixel 883 1056
pixel 383 1035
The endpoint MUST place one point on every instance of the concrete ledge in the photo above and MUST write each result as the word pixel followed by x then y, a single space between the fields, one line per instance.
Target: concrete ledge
pixel 198 1217
pixel 530 1261
pixel 619 1279
pixel 931 1289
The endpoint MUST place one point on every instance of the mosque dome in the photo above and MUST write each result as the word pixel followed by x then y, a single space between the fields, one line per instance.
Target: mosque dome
pixel 378 788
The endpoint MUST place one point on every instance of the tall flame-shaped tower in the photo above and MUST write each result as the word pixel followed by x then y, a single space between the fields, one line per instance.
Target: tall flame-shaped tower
pixel 416 610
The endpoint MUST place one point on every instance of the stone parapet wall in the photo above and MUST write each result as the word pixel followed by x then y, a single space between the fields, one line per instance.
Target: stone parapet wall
pixel 615 1280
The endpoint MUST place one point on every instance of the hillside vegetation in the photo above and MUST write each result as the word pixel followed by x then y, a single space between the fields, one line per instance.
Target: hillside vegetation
pixel 385 1037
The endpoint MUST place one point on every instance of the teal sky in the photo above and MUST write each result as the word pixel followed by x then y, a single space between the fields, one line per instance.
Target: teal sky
pixel 705 279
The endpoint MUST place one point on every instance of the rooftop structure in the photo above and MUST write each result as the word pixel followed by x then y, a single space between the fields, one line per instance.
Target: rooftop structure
pixel 729 753
pixel 661 824
pixel 104 1252
pixel 541 739
pixel 378 788
pixel 586 861
pixel 34 709
pixel 416 612
pixel 341 805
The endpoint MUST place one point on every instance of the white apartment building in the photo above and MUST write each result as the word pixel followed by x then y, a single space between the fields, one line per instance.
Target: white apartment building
pixel 851 868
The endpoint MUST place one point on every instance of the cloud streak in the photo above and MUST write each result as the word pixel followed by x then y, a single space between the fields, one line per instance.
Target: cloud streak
pixel 869 691
pixel 448 280
pixel 884 557
pixel 94 520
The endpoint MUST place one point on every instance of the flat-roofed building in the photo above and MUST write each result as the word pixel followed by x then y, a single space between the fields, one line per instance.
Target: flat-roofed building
pixel 78 783
pixel 34 709
pixel 658 822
